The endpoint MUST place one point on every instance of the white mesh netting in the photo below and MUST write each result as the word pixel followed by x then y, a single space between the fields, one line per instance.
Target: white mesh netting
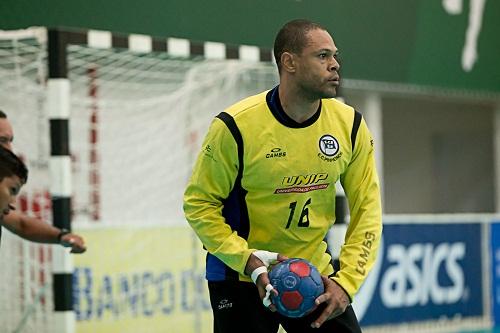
pixel 150 114
pixel 137 121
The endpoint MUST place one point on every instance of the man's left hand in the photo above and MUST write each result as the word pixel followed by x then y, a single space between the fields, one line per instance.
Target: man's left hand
pixel 336 301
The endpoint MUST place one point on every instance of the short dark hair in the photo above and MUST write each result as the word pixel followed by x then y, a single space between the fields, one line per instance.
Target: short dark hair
pixel 11 164
pixel 3 114
pixel 292 37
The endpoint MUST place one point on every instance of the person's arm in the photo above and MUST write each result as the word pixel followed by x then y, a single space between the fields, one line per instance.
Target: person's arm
pixel 36 230
pixel 212 180
pixel 362 239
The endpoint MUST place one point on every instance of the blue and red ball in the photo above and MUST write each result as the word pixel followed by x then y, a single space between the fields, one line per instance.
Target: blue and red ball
pixel 298 284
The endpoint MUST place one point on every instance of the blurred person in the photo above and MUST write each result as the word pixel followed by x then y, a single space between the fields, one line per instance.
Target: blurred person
pixel 263 189
pixel 32 228
pixel 13 175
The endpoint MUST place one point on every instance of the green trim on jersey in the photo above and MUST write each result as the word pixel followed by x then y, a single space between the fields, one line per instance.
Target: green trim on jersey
pixel 288 181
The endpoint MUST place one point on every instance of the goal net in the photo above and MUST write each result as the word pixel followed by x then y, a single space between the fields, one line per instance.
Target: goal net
pixel 137 121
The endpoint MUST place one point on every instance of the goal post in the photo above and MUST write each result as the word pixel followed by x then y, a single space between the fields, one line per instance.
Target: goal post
pixel 58 107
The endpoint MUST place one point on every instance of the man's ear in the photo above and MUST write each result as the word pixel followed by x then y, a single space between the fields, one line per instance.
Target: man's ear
pixel 288 62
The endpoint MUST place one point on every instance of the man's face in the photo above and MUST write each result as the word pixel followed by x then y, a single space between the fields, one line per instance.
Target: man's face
pixel 317 66
pixel 9 188
pixel 6 134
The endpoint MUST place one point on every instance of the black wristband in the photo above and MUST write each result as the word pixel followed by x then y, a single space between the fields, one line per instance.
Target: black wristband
pixel 62 233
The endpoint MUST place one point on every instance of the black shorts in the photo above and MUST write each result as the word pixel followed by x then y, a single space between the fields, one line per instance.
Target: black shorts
pixel 237 307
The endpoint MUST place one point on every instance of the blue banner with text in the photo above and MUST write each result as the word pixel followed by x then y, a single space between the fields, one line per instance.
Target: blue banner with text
pixel 424 272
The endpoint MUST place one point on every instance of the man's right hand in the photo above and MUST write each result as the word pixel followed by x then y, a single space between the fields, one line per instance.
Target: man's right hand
pixel 75 242
pixel 263 279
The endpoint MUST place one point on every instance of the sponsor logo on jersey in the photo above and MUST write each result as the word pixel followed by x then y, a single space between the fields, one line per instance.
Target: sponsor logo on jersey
pixel 329 148
pixel 276 152
pixel 328 145
pixel 208 151
pixel 365 251
pixel 302 183
pixel 370 285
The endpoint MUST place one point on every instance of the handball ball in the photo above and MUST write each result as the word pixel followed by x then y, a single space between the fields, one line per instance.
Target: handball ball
pixel 298 284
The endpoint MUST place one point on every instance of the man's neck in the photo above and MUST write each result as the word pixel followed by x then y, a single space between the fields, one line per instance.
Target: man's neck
pixel 296 105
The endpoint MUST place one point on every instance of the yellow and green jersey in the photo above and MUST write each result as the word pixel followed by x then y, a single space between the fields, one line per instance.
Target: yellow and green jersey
pixel 265 182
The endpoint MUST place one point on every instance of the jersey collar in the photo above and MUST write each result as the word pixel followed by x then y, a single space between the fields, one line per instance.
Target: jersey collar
pixel 274 104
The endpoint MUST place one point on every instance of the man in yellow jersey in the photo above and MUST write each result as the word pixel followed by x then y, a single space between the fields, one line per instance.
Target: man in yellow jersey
pixel 263 189
pixel 28 227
